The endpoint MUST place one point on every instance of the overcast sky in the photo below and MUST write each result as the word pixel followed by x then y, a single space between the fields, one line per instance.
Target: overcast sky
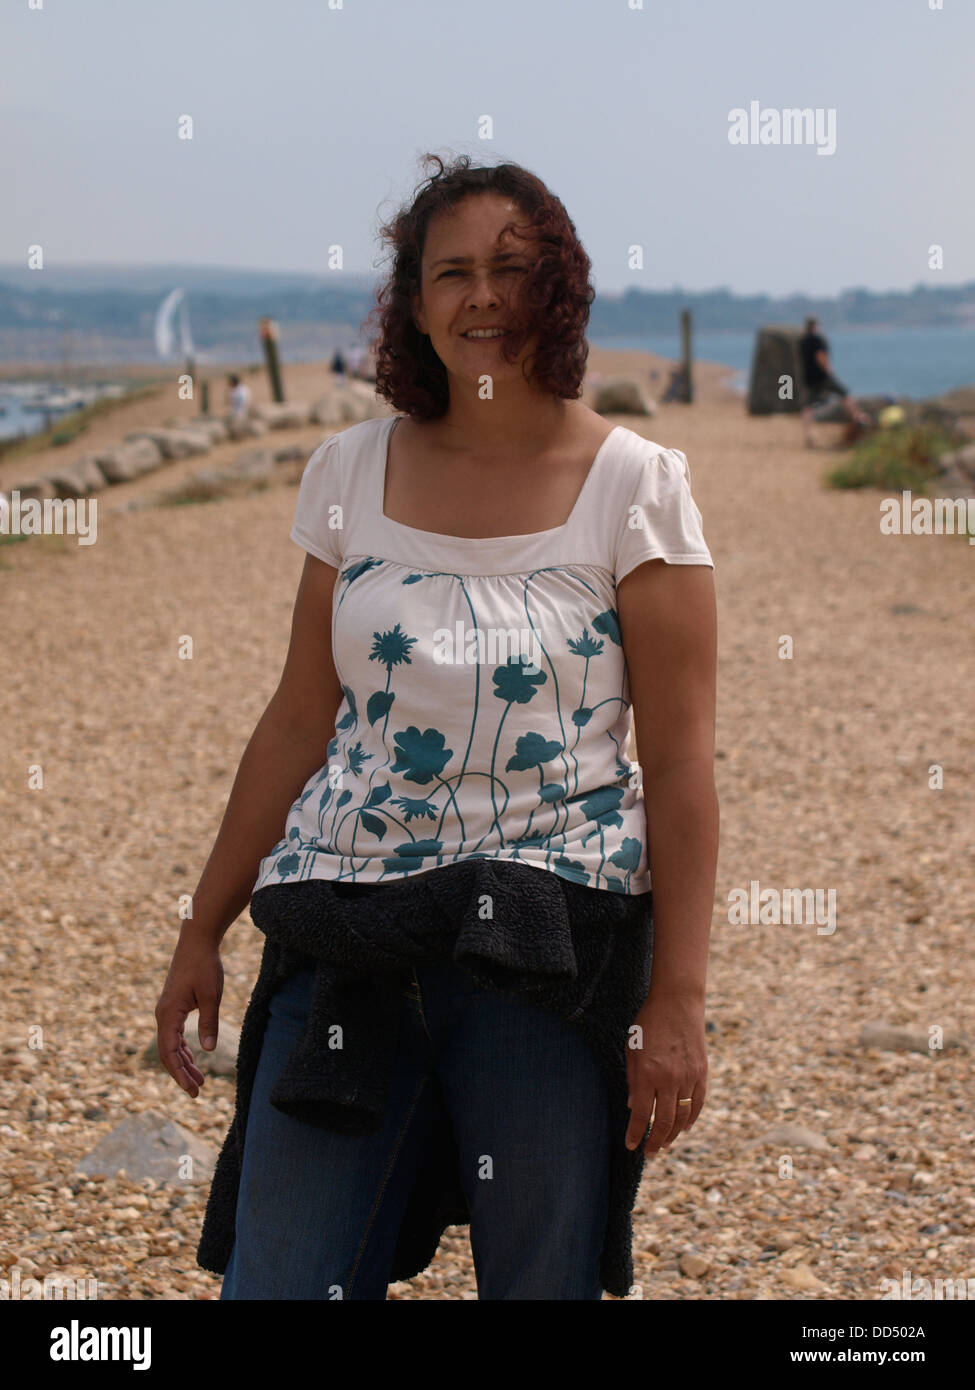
pixel 308 122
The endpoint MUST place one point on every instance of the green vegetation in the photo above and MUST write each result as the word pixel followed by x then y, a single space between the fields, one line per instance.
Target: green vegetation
pixel 904 458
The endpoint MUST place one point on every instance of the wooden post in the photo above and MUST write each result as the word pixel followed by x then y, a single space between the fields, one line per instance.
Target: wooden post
pixel 269 339
pixel 686 354
pixel 204 397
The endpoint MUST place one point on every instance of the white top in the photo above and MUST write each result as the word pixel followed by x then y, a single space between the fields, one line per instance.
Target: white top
pixel 240 398
pixel 486 697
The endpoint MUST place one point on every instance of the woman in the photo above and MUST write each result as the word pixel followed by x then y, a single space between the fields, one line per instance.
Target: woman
pixel 455 1018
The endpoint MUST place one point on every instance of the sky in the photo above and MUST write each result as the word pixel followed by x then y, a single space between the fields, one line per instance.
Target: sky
pixel 309 118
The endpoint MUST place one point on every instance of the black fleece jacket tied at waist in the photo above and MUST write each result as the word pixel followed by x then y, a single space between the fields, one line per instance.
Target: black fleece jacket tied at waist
pixel 580 952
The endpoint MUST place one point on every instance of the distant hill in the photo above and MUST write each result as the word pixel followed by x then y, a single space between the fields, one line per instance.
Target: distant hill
pixel 107 313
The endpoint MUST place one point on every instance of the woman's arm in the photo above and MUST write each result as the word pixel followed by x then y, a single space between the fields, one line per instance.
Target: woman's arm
pixel 289 743
pixel 668 622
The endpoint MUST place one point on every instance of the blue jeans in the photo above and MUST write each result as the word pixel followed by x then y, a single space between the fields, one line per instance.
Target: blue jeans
pixel 318 1212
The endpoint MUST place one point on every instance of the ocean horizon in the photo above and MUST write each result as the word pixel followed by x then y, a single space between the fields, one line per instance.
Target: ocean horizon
pixel 915 362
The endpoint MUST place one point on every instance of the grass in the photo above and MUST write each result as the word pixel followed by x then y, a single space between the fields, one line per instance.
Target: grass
pixel 904 458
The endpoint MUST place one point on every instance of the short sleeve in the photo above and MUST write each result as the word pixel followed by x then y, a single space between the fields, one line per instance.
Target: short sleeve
pixel 319 519
pixel 661 520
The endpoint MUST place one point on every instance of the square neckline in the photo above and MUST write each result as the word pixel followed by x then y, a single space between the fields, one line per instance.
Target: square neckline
pixel 483 540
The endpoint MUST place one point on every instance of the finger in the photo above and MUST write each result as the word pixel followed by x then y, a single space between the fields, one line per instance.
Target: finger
pixel 640 1115
pixel 663 1121
pixel 208 1023
pixel 697 1104
pixel 177 1058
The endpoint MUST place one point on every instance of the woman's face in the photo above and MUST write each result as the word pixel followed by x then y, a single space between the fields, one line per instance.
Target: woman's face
pixel 470 279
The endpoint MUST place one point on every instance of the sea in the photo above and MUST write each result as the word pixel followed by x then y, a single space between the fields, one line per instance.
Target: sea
pixel 916 362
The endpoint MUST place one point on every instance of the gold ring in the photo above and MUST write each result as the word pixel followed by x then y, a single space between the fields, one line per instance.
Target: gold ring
pixel 688 1101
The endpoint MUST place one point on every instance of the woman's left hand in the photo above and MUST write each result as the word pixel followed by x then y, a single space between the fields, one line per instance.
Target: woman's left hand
pixel 666 1061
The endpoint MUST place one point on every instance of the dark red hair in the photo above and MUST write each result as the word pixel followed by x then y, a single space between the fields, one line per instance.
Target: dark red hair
pixel 553 299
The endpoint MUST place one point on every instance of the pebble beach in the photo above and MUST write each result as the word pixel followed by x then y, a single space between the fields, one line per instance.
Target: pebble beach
pixel 834 1153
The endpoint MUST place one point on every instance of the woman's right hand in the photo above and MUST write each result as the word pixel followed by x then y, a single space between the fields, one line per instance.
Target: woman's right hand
pixel 195 981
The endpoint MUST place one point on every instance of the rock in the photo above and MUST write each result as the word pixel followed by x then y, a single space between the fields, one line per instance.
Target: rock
pixel 209 424
pixel 149 1145
pixel 251 471
pixel 78 479
pixel 621 396
pixel 775 355
pixel 801 1277
pixel 790 1136
pixel 891 1038
pixel 865 1153
pixel 292 453
pixel 327 411
pixel 176 443
pixel 286 415
pixel 693 1265
pixel 960 461
pixel 35 487
pixel 244 429
pixel 130 460
pixel 222 1061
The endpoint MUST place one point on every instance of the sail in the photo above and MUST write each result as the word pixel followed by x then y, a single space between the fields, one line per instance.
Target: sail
pixel 165 332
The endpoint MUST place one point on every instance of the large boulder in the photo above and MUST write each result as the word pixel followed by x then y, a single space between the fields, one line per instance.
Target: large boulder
pixel 622 396
pixel 77 479
pixel 35 487
pixel 240 428
pixel 251 471
pixel 775 356
pixel 175 443
pixel 208 424
pixel 149 1145
pixel 284 415
pixel 327 410
pixel 123 462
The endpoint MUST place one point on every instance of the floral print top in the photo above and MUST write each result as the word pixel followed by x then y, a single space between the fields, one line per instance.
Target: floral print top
pixel 485 707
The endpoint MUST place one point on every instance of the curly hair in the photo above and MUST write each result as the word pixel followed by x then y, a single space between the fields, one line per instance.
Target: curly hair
pixel 553 302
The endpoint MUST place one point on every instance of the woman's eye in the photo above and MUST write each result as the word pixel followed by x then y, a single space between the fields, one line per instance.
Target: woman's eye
pixel 504 270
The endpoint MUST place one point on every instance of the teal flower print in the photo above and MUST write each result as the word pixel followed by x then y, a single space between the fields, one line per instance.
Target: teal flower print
pixel 347 721
pixel 608 624
pixel 391 648
pixel 287 865
pixel 515 685
pixel 532 750
pixel 628 855
pixel 627 858
pixel 415 810
pixel 420 757
pixel 585 645
pixel 411 855
pixel 354 571
pixel 357 757
pixel 600 806
pixel 571 868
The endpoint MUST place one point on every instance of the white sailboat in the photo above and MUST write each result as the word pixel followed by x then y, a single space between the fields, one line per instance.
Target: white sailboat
pixel 174 308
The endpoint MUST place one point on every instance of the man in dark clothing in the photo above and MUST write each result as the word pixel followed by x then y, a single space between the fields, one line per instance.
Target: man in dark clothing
pixel 818 379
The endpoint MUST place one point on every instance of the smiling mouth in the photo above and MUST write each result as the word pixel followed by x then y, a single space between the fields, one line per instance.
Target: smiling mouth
pixel 485 337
